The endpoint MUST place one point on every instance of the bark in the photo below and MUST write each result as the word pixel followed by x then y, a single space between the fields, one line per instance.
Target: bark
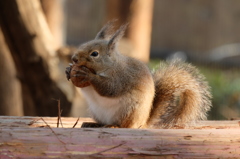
pixel 31 44
pixel 31 136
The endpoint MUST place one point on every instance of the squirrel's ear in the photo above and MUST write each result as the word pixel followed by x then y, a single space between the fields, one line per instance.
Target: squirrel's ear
pixel 118 35
pixel 106 30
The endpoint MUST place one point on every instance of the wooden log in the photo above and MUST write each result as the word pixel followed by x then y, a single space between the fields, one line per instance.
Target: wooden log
pixel 29 137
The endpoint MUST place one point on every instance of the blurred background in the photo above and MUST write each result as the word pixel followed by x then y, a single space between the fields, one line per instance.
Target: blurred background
pixel 38 37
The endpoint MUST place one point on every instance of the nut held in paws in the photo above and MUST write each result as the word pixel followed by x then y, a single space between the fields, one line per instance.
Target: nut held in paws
pixel 78 81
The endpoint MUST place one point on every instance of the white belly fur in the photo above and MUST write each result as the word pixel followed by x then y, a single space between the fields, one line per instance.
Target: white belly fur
pixel 103 108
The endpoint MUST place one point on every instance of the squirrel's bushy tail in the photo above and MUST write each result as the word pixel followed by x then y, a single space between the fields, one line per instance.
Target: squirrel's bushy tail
pixel 182 95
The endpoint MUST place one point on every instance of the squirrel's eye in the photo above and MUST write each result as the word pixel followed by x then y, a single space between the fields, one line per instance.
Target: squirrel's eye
pixel 94 54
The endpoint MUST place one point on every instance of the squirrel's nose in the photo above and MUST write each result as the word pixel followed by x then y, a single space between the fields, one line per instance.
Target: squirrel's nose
pixel 74 59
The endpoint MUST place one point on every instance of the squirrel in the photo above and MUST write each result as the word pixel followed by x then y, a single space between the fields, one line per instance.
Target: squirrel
pixel 122 92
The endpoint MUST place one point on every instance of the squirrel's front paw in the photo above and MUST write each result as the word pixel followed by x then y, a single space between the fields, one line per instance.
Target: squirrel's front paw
pixel 79 75
pixel 83 72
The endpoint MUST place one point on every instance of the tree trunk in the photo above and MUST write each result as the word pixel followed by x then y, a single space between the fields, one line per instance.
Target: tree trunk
pixel 139 15
pixel 119 10
pixel 10 87
pixel 141 28
pixel 53 11
pixel 31 45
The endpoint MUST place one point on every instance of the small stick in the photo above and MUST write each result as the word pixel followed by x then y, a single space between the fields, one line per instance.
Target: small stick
pixel 52 130
pixel 108 149
pixel 61 118
pixel 76 122
pixel 59 113
pixel 34 121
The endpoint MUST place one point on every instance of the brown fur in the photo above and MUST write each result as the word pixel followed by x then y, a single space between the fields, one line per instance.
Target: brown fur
pixel 182 95
pixel 124 93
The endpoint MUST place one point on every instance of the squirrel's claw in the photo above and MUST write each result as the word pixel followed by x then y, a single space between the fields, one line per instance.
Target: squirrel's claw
pixel 67 72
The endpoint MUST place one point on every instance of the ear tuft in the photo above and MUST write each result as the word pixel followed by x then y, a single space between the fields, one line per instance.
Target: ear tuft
pixel 117 36
pixel 106 30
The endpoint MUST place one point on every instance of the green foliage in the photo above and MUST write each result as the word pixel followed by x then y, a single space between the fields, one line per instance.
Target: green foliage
pixel 226 92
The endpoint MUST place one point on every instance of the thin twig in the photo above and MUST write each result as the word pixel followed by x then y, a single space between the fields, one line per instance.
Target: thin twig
pixel 61 118
pixel 34 121
pixel 108 149
pixel 59 113
pixel 76 122
pixel 52 131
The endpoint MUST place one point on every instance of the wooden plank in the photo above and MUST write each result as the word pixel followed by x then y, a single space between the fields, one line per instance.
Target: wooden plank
pixel 208 139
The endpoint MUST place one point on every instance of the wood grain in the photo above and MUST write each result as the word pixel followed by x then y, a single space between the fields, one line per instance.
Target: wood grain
pixel 29 137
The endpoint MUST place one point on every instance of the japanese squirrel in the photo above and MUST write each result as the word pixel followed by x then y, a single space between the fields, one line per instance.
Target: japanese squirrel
pixel 121 91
